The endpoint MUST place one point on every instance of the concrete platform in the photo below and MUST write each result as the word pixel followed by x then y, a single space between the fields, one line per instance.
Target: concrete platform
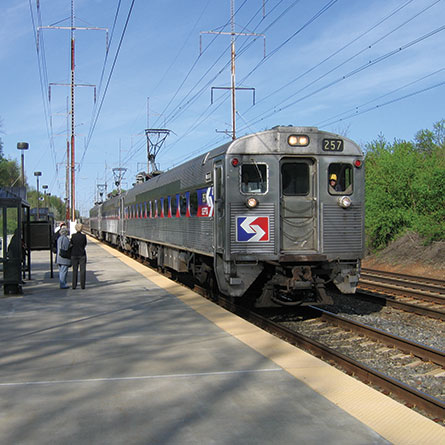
pixel 137 359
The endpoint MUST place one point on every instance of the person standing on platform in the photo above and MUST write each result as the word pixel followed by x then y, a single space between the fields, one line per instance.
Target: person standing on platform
pixel 64 263
pixel 79 255
pixel 57 234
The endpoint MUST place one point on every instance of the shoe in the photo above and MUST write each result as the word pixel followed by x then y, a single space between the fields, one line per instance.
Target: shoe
pixel 64 287
pixel 74 287
pixel 83 287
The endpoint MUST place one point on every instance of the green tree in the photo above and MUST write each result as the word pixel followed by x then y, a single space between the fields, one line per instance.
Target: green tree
pixel 9 169
pixel 404 187
pixel 9 172
pixel 55 204
pixel 1 143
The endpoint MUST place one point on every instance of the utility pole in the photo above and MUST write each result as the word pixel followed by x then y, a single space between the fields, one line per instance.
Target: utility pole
pixel 233 86
pixel 71 152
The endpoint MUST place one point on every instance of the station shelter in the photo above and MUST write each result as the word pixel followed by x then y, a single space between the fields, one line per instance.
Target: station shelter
pixel 15 255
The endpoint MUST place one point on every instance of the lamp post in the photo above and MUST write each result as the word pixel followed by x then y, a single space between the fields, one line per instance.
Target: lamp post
pixel 45 188
pixel 23 146
pixel 37 175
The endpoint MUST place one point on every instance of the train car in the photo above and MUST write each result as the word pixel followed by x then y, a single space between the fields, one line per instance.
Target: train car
pixel 275 216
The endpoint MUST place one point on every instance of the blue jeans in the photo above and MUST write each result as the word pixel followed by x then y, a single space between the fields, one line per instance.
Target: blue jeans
pixel 63 272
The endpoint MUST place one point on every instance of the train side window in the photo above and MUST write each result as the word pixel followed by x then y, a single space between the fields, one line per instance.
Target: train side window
pixel 170 200
pixel 193 203
pixel 174 205
pixel 295 178
pixel 254 178
pixel 183 205
pixel 340 179
pixel 164 207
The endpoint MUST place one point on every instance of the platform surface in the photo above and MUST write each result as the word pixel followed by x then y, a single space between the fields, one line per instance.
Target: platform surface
pixel 137 359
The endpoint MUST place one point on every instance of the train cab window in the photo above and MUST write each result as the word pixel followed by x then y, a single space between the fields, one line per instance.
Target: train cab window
pixel 295 178
pixel 254 178
pixel 340 179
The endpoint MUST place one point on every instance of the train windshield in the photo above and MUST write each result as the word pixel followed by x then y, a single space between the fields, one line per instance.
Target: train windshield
pixel 254 178
pixel 340 179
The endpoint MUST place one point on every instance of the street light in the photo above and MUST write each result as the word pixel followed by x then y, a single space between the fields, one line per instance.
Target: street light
pixel 45 188
pixel 23 146
pixel 37 174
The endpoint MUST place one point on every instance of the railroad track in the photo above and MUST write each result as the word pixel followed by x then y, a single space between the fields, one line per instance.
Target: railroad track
pixel 333 330
pixel 417 354
pixel 420 295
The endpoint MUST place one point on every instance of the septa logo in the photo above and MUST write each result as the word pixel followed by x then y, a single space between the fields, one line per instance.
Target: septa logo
pixel 252 228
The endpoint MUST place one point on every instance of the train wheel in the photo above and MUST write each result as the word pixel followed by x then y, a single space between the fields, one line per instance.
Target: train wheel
pixel 212 287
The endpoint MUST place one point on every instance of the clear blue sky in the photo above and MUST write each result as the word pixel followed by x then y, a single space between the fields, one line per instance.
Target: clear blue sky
pixel 380 61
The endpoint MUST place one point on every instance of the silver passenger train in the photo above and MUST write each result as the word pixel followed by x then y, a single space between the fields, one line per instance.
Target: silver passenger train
pixel 274 217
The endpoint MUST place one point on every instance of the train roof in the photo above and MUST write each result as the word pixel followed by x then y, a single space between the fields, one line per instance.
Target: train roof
pixel 272 141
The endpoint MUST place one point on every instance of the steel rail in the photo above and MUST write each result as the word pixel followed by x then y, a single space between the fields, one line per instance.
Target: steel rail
pixel 421 351
pixel 402 282
pixel 401 290
pixel 434 281
pixel 402 305
pixel 411 396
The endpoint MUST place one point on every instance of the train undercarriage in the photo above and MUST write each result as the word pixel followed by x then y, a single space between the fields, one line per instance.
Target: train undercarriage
pixel 263 284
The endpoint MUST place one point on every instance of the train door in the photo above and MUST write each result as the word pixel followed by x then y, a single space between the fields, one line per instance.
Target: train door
pixel 298 205
pixel 219 213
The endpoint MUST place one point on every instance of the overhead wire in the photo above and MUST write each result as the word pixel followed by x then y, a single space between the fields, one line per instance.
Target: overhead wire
pixel 43 76
pixel 356 111
pixel 352 57
pixel 99 89
pixel 198 121
pixel 331 120
pixel 204 88
pixel 378 59
pixel 180 107
pixel 398 9
pixel 355 71
pixel 107 83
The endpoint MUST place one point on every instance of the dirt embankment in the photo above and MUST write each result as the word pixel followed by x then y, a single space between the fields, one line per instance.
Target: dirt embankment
pixel 409 255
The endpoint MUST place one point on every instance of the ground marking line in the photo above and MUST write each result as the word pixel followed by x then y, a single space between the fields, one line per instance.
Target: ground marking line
pixel 145 377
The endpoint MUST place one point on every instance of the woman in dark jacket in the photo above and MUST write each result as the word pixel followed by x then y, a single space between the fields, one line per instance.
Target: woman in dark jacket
pixel 63 242
pixel 79 255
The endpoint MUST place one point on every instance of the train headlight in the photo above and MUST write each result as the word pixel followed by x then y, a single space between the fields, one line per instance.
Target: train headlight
pixel 251 203
pixel 298 140
pixel 344 202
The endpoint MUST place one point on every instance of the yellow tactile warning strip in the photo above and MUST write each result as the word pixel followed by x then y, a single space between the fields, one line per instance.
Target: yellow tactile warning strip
pixel 392 420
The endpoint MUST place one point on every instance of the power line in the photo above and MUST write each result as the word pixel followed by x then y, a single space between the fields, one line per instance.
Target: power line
pixel 350 74
pixel 398 99
pixel 93 126
pixel 198 121
pixel 355 110
pixel 334 53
